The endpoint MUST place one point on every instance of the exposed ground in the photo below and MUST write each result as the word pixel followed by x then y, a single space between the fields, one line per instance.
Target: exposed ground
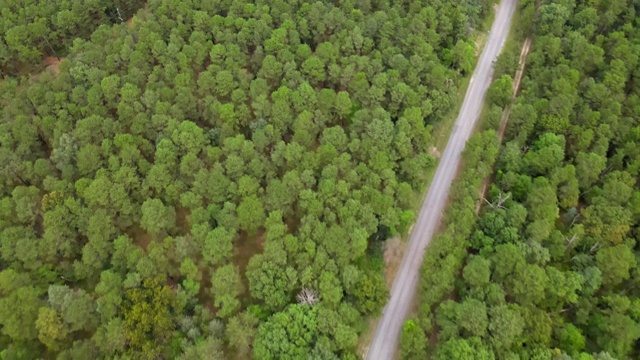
pixel 394 249
pixel 52 64
pixel 182 219
pixel 245 246
pixel 140 237
pixel 433 151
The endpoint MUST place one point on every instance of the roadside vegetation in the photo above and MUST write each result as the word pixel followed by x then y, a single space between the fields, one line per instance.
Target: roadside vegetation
pixel 549 268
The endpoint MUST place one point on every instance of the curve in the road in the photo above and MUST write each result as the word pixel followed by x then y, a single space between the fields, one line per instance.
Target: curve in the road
pixel 385 342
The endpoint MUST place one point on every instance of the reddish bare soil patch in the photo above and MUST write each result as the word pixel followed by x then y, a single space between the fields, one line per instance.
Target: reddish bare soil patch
pixel 52 64
pixel 204 295
pixel 182 219
pixel 131 21
pixel 172 282
pixel 292 223
pixel 209 305
pixel 139 236
pixel 244 248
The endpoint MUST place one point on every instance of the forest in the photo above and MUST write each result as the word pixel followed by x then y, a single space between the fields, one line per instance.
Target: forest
pixel 214 179
pixel 550 266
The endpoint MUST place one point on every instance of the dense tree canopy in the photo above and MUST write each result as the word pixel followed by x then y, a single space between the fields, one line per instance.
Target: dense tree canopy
pixel 182 176
pixel 33 29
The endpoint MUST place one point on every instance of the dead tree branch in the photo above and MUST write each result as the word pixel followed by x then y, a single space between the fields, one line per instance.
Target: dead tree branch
pixel 308 296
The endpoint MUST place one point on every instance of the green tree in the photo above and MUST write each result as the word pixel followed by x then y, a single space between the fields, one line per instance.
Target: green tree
pixel 463 55
pixel 477 272
pixel 19 306
pixel 289 334
pixel 547 155
pixel 251 214
pixel 371 293
pixel 571 339
pixel 506 325
pixel 156 217
pixel 464 349
pixel 51 330
pixel 271 282
pixel 225 288
pixel 241 332
pixel 218 246
pixel 413 342
pixel 501 90
pixel 615 263
pixel 473 317
pixel 209 348
pixel 343 104
pixel 314 68
pixel 76 307
pixel 588 168
pixel 529 284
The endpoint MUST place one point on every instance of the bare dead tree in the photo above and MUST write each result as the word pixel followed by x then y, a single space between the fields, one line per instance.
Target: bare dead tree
pixel 570 241
pixel 499 203
pixel 449 82
pixel 119 15
pixel 51 47
pixel 559 312
pixel 308 296
pixel 595 247
pixel 575 218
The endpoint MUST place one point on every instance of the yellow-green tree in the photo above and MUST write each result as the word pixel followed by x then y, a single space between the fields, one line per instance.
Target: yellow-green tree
pixel 148 319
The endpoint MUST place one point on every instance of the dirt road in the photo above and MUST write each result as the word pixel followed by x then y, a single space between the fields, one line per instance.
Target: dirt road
pixel 386 339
